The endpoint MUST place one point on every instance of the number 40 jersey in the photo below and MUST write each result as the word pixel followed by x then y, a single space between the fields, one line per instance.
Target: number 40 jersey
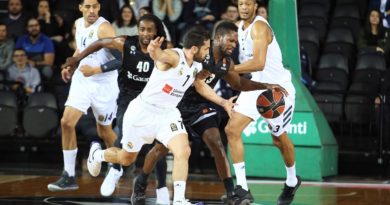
pixel 136 67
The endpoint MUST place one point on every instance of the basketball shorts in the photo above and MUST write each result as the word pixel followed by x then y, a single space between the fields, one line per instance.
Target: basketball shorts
pixel 143 123
pixel 100 96
pixel 205 117
pixel 247 106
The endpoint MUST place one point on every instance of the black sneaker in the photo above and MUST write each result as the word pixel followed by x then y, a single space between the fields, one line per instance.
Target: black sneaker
pixel 288 193
pixel 240 197
pixel 138 196
pixel 228 198
pixel 65 182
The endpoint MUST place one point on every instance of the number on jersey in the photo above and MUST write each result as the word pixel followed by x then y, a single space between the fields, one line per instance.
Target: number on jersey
pixel 143 66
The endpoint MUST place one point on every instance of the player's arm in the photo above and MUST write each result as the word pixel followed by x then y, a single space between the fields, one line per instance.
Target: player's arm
pixel 260 34
pixel 165 59
pixel 207 92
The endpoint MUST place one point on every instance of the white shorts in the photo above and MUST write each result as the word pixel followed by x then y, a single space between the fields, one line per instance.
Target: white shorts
pixel 247 106
pixel 100 96
pixel 143 123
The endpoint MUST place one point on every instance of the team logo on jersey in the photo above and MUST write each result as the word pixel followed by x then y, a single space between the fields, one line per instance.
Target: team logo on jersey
pixel 207 59
pixel 181 71
pixel 130 145
pixel 174 127
pixel 132 49
pixel 167 89
pixel 195 72
pixel 90 33
pixel 101 118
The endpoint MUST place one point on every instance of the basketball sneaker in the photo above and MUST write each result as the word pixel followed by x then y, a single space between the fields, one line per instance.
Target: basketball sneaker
pixel 228 198
pixel 93 166
pixel 138 196
pixel 162 196
pixel 241 196
pixel 110 181
pixel 288 193
pixel 186 202
pixel 65 182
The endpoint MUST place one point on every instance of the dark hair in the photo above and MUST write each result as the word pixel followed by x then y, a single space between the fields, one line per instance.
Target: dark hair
pixel 367 28
pixel 225 27
pixel 82 1
pixel 147 8
pixel 195 36
pixel 3 24
pixel 119 20
pixel 29 19
pixel 157 22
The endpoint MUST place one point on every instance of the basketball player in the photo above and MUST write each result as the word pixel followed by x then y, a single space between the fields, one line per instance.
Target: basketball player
pixel 260 55
pixel 200 116
pixel 135 71
pixel 153 114
pixel 99 91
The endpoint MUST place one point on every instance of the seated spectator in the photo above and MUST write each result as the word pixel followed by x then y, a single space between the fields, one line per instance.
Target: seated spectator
pixel 373 36
pixel 230 14
pixel 383 6
pixel 39 48
pixel 16 19
pixel 262 11
pixel 22 72
pixel 204 13
pixel 169 12
pixel 6 48
pixel 126 23
pixel 51 25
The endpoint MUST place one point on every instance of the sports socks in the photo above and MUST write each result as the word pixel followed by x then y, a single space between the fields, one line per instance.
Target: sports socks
pixel 70 161
pixel 229 184
pixel 291 180
pixel 179 188
pixel 161 173
pixel 239 169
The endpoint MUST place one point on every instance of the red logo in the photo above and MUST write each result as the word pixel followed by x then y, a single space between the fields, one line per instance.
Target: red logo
pixel 167 88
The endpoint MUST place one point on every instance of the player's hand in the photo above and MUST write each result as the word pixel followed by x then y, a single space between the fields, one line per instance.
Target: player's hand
pixel 66 74
pixel 277 88
pixel 71 63
pixel 87 70
pixel 228 105
pixel 155 43
pixel 203 74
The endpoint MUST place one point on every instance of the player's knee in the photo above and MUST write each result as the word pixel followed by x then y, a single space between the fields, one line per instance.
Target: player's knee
pixel 67 124
pixel 183 153
pixel 276 141
pixel 125 158
pixel 230 131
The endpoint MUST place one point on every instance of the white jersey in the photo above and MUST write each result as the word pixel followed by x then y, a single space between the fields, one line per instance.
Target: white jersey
pixel 273 71
pixel 165 89
pixel 84 37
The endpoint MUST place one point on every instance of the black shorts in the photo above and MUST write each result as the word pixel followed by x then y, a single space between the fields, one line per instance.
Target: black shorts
pixel 198 120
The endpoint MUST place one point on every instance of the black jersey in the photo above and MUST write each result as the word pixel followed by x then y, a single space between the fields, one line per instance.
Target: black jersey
pixel 192 101
pixel 136 67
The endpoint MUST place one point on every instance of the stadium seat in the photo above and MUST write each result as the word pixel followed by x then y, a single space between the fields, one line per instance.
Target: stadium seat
pixel 329 97
pixel 309 42
pixel 8 113
pixel 347 16
pixel 333 68
pixel 323 3
pixel 359 104
pixel 317 22
pixel 370 68
pixel 340 40
pixel 40 115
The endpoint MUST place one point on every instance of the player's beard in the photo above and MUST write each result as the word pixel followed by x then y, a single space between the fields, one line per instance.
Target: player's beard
pixel 198 57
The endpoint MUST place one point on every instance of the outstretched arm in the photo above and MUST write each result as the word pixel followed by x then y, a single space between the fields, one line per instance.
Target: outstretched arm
pixel 165 59
pixel 261 35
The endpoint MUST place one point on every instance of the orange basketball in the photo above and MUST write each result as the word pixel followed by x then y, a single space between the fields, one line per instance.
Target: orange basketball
pixel 270 104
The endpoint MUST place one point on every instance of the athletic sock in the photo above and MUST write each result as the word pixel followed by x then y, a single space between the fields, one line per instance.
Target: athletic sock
pixel 70 161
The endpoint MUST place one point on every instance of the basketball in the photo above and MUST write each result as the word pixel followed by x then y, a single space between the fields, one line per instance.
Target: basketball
pixel 270 104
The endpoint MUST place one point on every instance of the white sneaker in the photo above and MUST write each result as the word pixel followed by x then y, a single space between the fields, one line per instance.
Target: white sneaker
pixel 109 183
pixel 184 202
pixel 93 166
pixel 162 196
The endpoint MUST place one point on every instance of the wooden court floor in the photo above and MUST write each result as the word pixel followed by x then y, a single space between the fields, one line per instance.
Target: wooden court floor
pixel 31 189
